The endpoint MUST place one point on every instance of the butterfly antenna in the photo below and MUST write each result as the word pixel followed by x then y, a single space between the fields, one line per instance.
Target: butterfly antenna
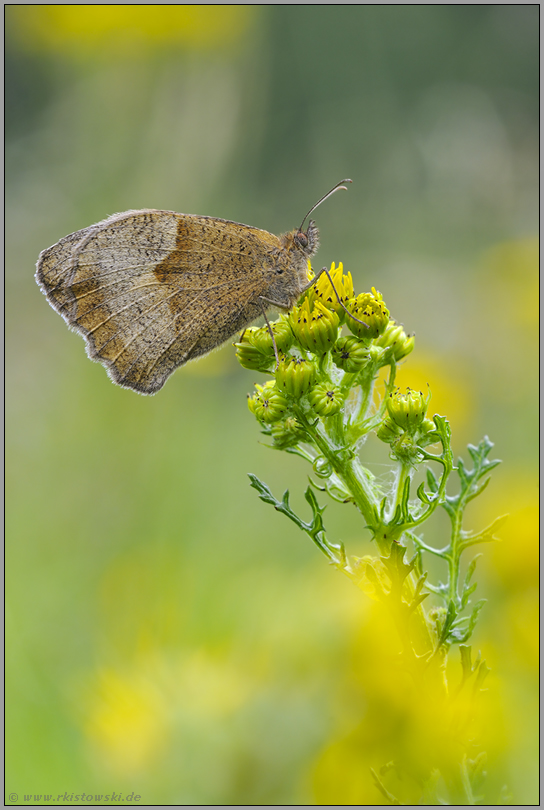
pixel 337 187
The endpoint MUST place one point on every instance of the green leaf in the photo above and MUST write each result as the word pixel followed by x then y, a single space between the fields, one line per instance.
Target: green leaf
pixel 466 661
pixel 315 528
pixel 432 481
pixel 481 674
pixel 422 495
pixel 486 535
pixel 398 570
pixel 264 493
pixel 459 635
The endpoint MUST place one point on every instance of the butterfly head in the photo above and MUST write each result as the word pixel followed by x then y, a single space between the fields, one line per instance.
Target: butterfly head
pixel 307 241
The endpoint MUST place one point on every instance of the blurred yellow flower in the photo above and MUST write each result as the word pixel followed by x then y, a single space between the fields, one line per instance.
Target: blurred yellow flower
pixel 132 714
pixel 127 719
pixel 93 29
pixel 511 273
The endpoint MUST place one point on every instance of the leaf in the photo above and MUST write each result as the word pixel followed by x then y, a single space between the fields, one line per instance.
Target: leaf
pixel 422 495
pixel 464 635
pixel 315 529
pixel 432 481
pixel 264 493
pixel 486 535
pixel 466 661
pixel 451 616
pixel 467 593
pixel 405 516
pixel 481 675
pixel 398 570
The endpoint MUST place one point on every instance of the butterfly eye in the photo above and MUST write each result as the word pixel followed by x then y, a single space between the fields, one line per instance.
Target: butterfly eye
pixel 302 239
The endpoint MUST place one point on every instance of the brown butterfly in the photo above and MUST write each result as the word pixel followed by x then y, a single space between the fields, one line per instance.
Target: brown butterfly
pixel 150 290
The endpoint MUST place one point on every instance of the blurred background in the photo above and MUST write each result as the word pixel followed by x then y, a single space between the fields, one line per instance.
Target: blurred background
pixel 168 634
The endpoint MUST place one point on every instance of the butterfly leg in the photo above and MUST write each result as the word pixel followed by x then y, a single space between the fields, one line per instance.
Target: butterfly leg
pixel 313 281
pixel 262 300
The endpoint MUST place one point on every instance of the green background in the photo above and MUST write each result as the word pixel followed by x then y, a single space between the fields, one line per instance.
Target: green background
pixel 168 633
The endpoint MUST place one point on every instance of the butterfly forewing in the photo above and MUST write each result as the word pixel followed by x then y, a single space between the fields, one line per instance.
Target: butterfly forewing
pixel 150 290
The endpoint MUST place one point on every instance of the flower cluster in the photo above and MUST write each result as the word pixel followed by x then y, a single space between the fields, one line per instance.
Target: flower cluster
pixel 406 427
pixel 314 365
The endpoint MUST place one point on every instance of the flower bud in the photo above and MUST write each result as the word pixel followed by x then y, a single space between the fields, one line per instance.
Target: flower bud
pixel 407 410
pixel 369 308
pixel 295 376
pixel 405 427
pixel 287 433
pixel 395 337
pixel 255 350
pixel 388 431
pixel 323 291
pixel 316 329
pixel 326 399
pixel 267 404
pixel 252 358
pixel 262 339
pixel 350 354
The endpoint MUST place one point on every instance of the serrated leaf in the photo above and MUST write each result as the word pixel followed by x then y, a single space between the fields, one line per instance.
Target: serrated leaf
pixel 264 492
pixel 472 620
pixel 315 528
pixel 486 535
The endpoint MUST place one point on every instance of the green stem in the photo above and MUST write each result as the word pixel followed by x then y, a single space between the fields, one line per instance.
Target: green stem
pixel 345 468
pixel 403 475
pixel 367 379
pixel 454 557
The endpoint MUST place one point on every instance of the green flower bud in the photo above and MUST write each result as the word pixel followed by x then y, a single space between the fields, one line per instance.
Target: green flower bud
pixel 396 338
pixel 369 308
pixel 427 426
pixel 287 433
pixel 405 428
pixel 350 354
pixel 407 410
pixel 267 404
pixel 323 291
pixel 326 399
pixel 315 329
pixel 388 431
pixel 295 376
pixel 262 339
pixel 255 350
pixel 252 358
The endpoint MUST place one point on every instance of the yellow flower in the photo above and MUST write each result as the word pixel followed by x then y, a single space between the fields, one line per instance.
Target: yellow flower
pixel 323 291
pixel 316 329
pixel 369 308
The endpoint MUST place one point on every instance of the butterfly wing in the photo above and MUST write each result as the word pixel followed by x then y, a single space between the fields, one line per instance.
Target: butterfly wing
pixel 149 290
